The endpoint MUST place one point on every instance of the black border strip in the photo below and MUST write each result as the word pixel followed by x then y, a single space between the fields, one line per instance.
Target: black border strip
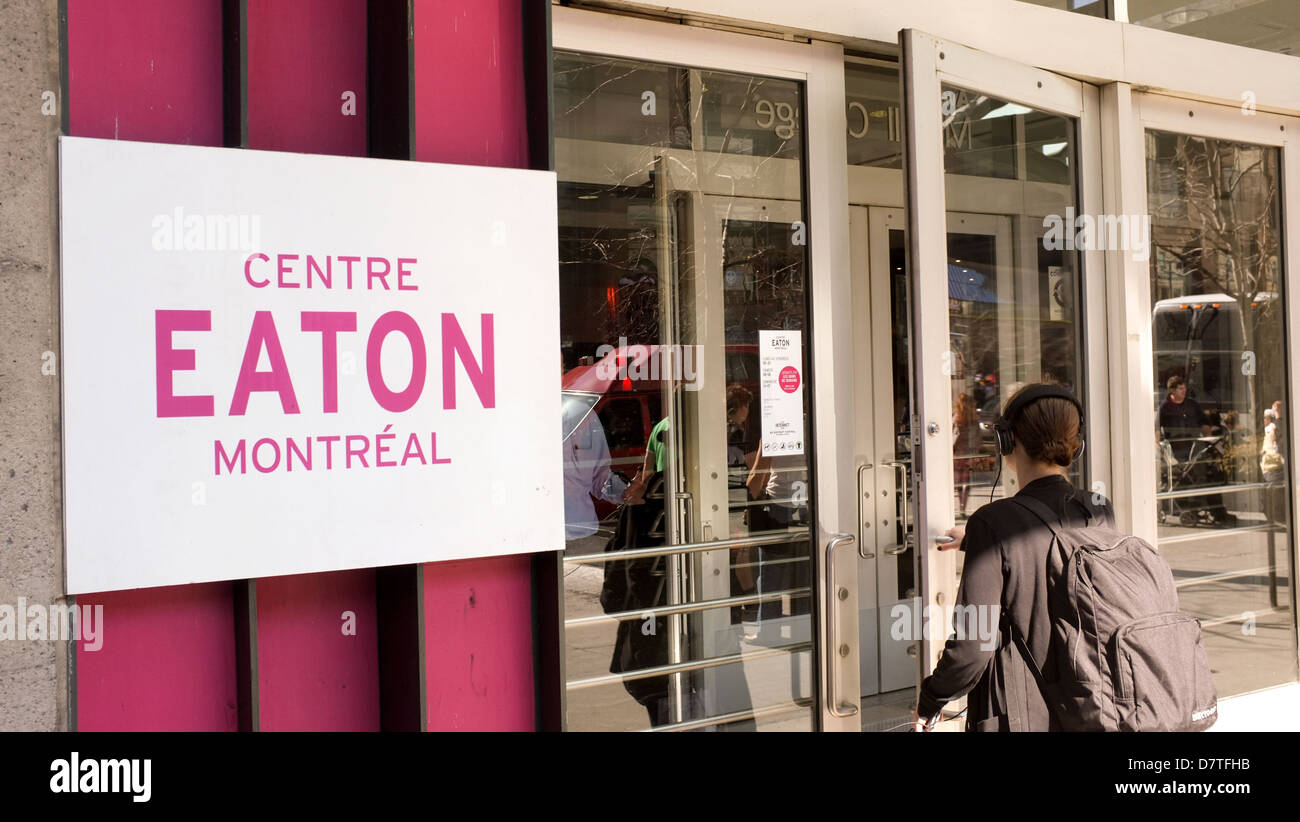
pixel 234 73
pixel 246 667
pixel 399 589
pixel 546 567
pixel 390 121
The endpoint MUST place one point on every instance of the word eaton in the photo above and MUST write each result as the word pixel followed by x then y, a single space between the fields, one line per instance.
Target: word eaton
pixel 75 775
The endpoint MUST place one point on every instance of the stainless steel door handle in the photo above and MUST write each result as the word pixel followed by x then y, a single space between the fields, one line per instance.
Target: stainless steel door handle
pixel 833 704
pixel 862 494
pixel 902 482
pixel 688 519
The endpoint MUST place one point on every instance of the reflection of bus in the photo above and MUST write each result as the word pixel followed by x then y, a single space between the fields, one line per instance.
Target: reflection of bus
pixel 1200 338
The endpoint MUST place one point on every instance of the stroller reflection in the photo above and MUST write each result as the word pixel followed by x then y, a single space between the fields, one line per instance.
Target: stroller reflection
pixel 1204 466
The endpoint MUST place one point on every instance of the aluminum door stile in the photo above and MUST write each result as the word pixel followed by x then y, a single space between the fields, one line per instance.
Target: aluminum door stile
pixel 832 382
pixel 927 263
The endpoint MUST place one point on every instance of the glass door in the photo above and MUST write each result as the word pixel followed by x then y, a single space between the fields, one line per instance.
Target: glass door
pixel 692 575
pixel 888 575
pixel 1219 393
pixel 996 302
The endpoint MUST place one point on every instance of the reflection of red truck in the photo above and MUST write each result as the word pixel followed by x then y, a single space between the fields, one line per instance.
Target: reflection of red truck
pixel 625 390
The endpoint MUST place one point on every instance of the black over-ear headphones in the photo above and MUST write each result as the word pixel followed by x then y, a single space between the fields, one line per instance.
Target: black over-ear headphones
pixel 1024 398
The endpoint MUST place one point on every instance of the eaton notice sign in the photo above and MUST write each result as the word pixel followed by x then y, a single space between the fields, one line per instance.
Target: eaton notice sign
pixel 280 363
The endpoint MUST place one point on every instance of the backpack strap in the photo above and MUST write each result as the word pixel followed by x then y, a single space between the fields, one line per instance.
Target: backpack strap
pixel 1040 510
pixel 1049 517
pixel 1015 686
pixel 1017 699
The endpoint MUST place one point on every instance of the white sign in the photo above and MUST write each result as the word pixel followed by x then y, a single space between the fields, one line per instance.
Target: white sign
pixel 281 363
pixel 780 374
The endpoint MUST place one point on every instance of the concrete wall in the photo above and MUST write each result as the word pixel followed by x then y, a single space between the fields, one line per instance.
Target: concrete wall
pixel 33 673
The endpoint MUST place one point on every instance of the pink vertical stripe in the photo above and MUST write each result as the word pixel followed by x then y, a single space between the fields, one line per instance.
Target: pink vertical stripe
pixel 307 76
pixel 469 108
pixel 145 70
pixel 167 662
pixel 478 644
pixel 151 70
pixel 312 673
pixel 303 58
pixel 469 83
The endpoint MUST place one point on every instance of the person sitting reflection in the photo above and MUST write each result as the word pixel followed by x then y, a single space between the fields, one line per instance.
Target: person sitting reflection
pixel 1186 432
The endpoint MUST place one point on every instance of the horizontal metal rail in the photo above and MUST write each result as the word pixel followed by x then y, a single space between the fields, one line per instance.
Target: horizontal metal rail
pixel 1248 572
pixel 737 506
pixel 682 667
pixel 794 535
pixel 744 472
pixel 770 562
pixel 734 716
pixel 1217 489
pixel 690 608
pixel 1218 532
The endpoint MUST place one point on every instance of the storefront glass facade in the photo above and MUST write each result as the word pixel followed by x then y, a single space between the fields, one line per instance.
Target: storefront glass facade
pixel 683 195
pixel 1221 389
pixel 683 250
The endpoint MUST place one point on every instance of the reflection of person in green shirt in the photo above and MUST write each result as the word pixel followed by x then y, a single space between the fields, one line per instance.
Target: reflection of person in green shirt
pixel 657 446
pixel 656 455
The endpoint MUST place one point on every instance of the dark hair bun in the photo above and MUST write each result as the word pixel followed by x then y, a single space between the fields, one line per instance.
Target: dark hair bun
pixel 1049 430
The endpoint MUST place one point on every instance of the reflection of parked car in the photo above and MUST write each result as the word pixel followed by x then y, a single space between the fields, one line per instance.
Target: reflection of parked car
pixel 625 389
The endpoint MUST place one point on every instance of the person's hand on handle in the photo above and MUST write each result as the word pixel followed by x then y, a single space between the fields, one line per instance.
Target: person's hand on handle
pixel 958 533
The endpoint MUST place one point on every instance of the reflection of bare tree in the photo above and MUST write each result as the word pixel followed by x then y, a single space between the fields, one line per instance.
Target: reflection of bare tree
pixel 774 293
pixel 1222 222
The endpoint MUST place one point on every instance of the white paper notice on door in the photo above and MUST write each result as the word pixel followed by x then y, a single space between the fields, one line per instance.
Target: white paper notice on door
pixel 780 369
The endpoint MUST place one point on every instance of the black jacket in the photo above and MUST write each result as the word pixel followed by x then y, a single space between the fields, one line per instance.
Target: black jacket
pixel 1005 572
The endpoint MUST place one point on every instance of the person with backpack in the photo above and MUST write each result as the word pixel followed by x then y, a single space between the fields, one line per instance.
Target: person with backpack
pixel 1089 635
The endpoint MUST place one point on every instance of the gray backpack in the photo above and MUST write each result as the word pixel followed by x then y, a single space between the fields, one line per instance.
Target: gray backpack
pixel 1123 656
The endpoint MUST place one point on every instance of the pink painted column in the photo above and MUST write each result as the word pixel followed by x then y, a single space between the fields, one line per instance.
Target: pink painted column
pixel 307 76
pixel 469 108
pixel 317 640
pixel 151 70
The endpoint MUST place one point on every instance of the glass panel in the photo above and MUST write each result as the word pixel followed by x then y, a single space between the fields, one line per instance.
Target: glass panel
pixel 900 320
pixel 620 102
pixel 750 115
pixel 1013 286
pixel 979 134
pixel 683 317
pixel 875 116
pixel 1220 369
pixel 1272 25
